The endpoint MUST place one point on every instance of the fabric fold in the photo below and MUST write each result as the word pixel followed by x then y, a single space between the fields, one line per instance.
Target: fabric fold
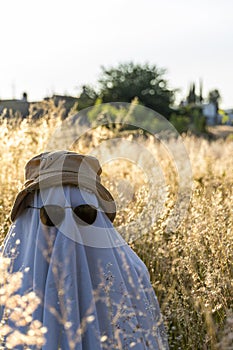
pixel 95 291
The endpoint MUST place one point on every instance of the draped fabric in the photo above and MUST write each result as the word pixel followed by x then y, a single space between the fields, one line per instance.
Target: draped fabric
pixel 95 291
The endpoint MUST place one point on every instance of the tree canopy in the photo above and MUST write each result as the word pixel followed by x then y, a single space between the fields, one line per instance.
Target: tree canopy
pixel 128 81
pixel 214 96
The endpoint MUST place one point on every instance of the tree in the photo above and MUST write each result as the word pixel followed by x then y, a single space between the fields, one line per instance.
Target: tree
pixel 214 97
pixel 191 98
pixel 145 82
pixel 87 97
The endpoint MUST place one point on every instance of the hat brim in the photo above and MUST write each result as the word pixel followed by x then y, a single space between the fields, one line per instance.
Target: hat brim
pixel 105 198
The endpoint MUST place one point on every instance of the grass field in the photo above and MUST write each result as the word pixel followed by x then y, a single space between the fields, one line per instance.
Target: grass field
pixel 192 267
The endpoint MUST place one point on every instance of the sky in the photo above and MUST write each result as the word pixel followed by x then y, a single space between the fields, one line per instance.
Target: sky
pixel 53 46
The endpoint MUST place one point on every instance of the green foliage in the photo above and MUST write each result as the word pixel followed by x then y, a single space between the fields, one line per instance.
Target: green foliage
pixel 119 116
pixel 189 118
pixel 110 115
pixel 225 119
pixel 180 122
pixel 192 97
pixel 199 121
pixel 146 82
pixel 87 97
pixel 230 138
pixel 214 96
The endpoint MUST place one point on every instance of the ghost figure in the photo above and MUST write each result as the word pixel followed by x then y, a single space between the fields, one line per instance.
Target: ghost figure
pixel 95 291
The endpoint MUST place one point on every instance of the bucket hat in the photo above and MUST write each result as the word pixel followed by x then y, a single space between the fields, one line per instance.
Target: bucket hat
pixel 59 168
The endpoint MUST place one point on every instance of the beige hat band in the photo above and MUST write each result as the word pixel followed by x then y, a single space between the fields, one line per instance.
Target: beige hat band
pixel 57 180
pixel 78 176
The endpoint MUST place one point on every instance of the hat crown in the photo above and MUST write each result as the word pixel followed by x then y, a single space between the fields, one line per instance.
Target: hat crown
pixel 62 161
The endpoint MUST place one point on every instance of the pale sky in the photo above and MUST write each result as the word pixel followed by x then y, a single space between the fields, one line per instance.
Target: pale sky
pixel 54 46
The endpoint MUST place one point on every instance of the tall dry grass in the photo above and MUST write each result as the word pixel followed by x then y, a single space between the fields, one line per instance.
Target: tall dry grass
pixel 191 268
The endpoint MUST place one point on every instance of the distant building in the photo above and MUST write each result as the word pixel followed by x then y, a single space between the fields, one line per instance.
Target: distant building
pixel 219 117
pixel 68 102
pixel 21 107
pixel 209 111
pixel 14 106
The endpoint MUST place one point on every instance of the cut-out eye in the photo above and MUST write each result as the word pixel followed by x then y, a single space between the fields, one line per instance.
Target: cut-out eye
pixel 51 215
pixel 85 214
